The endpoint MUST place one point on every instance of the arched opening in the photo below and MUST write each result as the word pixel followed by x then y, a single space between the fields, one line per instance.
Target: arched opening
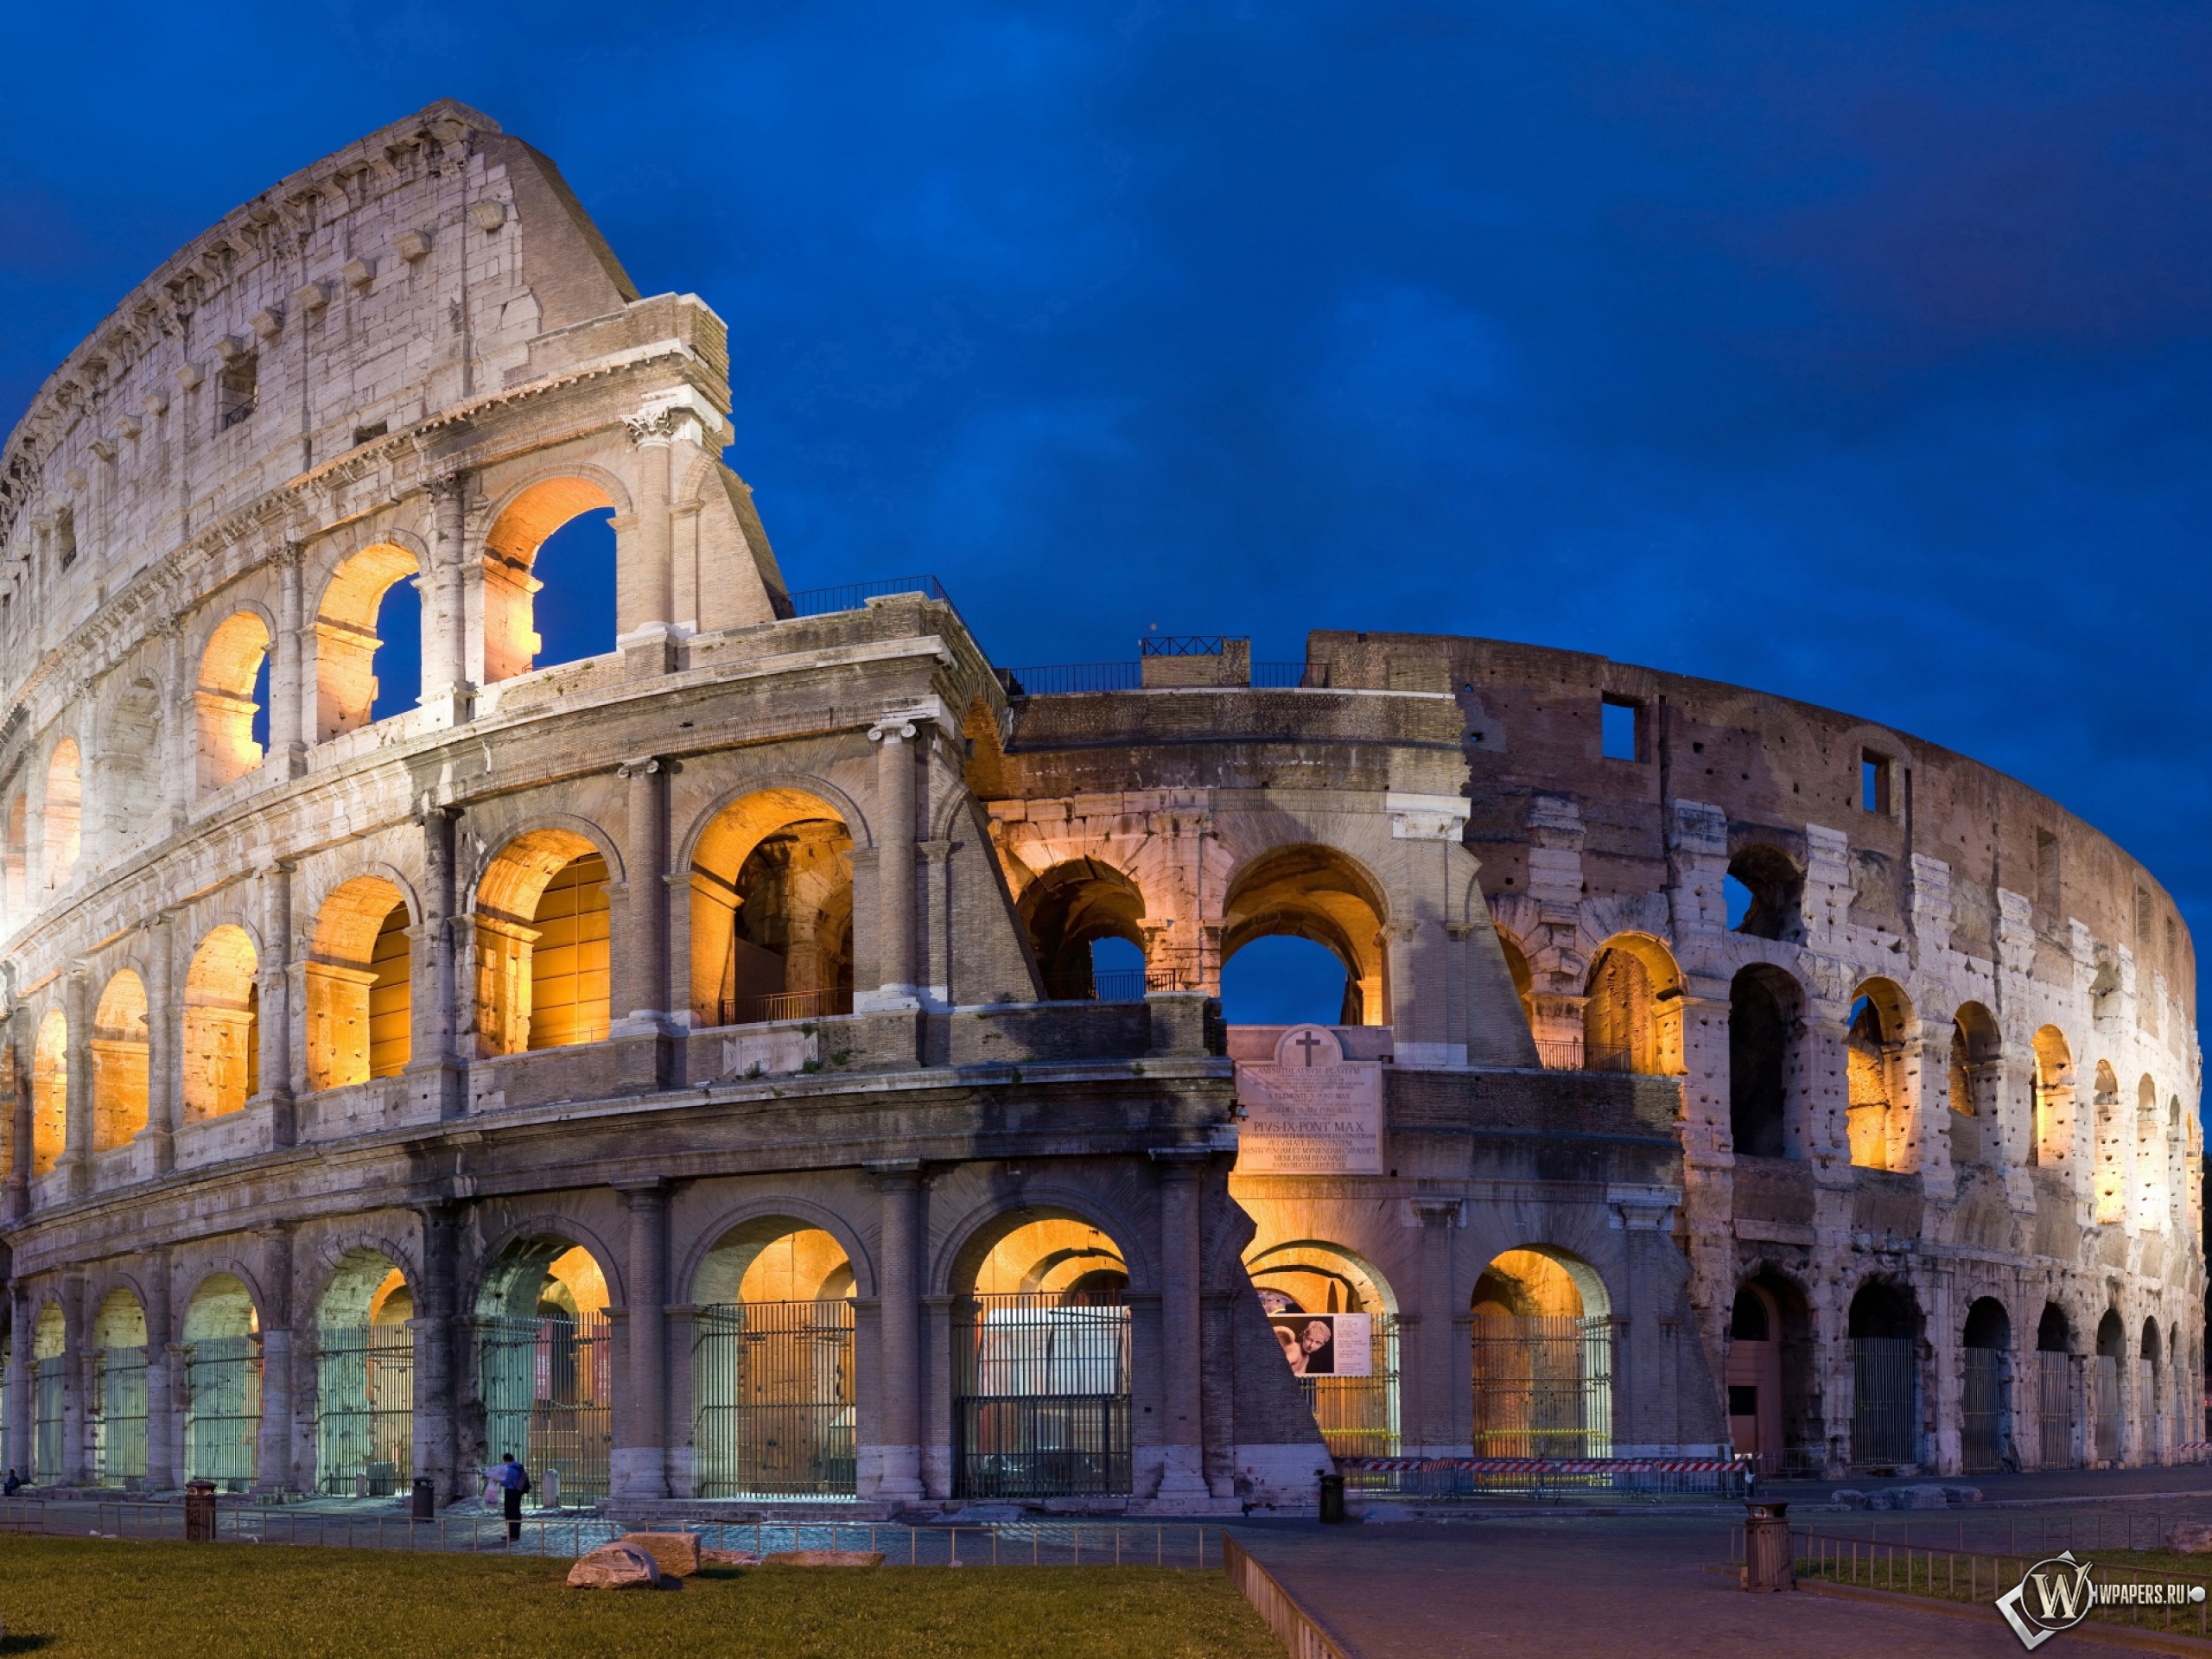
pixel 359 980
pixel 1878 1115
pixel 1884 1338
pixel 365 1379
pixel 1073 907
pixel 2151 1173
pixel 1338 1322
pixel 119 1069
pixel 1762 1018
pixel 771 912
pixel 542 944
pixel 524 550
pixel 222 1045
pixel 1041 1363
pixel 2052 1136
pixel 2104 1384
pixel 1633 1019
pixel 1524 980
pixel 117 1403
pixel 2110 1185
pixel 771 1364
pixel 64 812
pixel 1543 1358
pixel 1771 893
pixel 1986 1399
pixel 1974 1088
pixel 49 1396
pixel 221 1352
pixel 376 584
pixel 1767 1377
pixel 1315 894
pixel 2150 1398
pixel 545 1367
pixel 49 1092
pixel 230 672
pixel 2054 1399
pixel 130 796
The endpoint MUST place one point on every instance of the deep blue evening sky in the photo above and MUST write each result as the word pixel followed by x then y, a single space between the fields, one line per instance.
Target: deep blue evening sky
pixel 1854 352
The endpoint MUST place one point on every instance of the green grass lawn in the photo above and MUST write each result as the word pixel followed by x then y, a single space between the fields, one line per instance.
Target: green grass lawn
pixel 72 1598
pixel 1934 1574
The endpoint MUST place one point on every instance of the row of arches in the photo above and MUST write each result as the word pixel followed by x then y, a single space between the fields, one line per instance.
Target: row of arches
pixel 2045 1406
pixel 357 665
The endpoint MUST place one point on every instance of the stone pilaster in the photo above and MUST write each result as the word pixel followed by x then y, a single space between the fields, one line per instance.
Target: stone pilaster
pixel 897 1452
pixel 895 783
pixel 1182 1477
pixel 641 1466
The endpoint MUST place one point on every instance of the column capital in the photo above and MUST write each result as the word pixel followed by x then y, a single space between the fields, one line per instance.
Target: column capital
pixel 646 1190
pixel 645 766
pixel 448 486
pixel 1435 1212
pixel 892 1173
pixel 1180 1163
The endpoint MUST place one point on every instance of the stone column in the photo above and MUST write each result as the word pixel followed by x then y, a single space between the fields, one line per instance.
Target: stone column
pixel 1430 1417
pixel 20 1036
pixel 273 1459
pixel 163 1443
pixel 447 679
pixel 23 1392
pixel 76 1381
pixel 275 980
pixel 641 1467
pixel 641 986
pixel 180 717
pixel 898 1428
pixel 36 884
pixel 645 598
pixel 434 1073
pixel 287 746
pixel 894 870
pixel 92 806
pixel 1182 1468
pixel 437 1381
pixel 163 1044
pixel 77 1145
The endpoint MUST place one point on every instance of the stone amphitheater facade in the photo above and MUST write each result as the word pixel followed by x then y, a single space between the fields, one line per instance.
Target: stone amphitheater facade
pixel 686 1066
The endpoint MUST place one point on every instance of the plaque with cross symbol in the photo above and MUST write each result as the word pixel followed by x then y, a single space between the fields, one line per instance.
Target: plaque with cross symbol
pixel 1311 1111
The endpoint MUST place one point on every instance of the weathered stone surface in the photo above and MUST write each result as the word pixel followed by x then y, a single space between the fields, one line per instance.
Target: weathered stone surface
pixel 728 1558
pixel 825 1558
pixel 2190 1538
pixel 678 1554
pixel 618 1566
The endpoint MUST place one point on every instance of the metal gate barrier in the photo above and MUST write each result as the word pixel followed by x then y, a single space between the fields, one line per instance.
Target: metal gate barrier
pixel 772 1399
pixel 365 1408
pixel 1040 1405
pixel 2105 1370
pixel 46 1396
pixel 1543 1386
pixel 222 1413
pixel 1982 1412
pixel 1886 1400
pixel 548 1391
pixel 2055 1409
pixel 119 1426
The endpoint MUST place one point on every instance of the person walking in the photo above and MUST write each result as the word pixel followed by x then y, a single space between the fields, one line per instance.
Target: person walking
pixel 514 1481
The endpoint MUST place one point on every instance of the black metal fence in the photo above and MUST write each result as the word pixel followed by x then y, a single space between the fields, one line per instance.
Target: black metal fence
pixel 772 1399
pixel 365 1409
pixel 1981 1411
pixel 2104 1374
pixel 2054 1385
pixel 222 1413
pixel 1041 1397
pixel 1543 1387
pixel 826 1003
pixel 851 596
pixel 47 1385
pixel 119 1425
pixel 1886 1400
pixel 548 1391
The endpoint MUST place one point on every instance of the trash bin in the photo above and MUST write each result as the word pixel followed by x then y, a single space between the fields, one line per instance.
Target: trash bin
pixel 1333 1499
pixel 548 1489
pixel 426 1498
pixel 1766 1548
pixel 200 1512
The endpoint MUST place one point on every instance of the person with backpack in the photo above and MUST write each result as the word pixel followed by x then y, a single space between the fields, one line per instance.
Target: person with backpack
pixel 513 1480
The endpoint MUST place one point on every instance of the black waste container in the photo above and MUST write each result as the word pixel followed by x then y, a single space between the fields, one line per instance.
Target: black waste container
pixel 1333 1499
pixel 426 1498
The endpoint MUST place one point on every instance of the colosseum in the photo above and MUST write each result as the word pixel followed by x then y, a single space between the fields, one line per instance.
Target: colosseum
pixel 700 1068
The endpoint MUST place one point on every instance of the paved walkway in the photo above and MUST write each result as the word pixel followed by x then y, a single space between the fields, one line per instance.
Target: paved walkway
pixel 1608 1589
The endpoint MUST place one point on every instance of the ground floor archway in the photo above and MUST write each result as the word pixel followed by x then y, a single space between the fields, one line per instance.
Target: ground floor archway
pixel 365 1379
pixel 117 1397
pixel 772 1365
pixel 1041 1365
pixel 221 1354
pixel 545 1367
pixel 1337 1323
pixel 1543 1344
pixel 1883 1334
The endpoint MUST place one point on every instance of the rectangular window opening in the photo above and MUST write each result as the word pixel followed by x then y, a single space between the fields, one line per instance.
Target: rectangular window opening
pixel 370 433
pixel 1622 737
pixel 239 391
pixel 1874 781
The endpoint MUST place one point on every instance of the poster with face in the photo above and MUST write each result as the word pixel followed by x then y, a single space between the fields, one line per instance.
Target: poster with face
pixel 1326 1345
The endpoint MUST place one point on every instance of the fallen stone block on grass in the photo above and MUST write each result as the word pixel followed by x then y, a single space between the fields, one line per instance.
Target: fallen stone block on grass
pixel 618 1566
pixel 729 1557
pixel 676 1553
pixel 825 1558
pixel 1925 1496
pixel 1850 1496
pixel 2190 1538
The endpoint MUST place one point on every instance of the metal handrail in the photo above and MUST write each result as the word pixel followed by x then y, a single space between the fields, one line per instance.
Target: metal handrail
pixel 784 1006
pixel 852 595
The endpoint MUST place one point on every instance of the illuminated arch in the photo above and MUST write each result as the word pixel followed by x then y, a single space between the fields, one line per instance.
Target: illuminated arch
pixel 1543 1347
pixel 511 547
pixel 542 941
pixel 365 1376
pixel 772 910
pixel 64 812
pixel 545 1362
pixel 119 1064
pixel 222 1006
pixel 359 985
pixel 49 1092
pixel 1316 893
pixel 223 698
pixel 1632 1020
pixel 1068 906
pixel 2052 1138
pixel 346 635
pixel 1878 1113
